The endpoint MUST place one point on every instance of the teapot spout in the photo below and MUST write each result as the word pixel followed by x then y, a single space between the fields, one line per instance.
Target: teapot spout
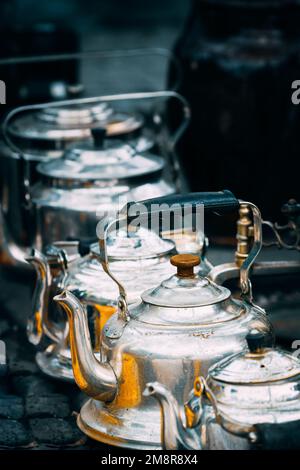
pixel 175 433
pixel 94 378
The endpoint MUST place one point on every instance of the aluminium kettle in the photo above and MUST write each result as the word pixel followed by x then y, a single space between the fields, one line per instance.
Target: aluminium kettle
pixel 175 333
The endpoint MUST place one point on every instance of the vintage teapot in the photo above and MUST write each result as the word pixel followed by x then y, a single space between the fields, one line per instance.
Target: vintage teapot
pixel 249 400
pixel 178 330
pixel 139 259
pixel 88 183
pixel 40 136
pixel 65 196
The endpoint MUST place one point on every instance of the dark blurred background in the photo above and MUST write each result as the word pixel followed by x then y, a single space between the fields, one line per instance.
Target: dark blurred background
pixel 238 60
pixel 72 25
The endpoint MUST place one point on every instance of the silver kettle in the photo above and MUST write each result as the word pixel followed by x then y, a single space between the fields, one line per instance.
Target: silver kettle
pixel 178 330
pixel 250 400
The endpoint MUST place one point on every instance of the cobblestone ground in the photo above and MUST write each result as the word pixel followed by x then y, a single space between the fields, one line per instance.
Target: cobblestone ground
pixel 40 413
pixel 36 413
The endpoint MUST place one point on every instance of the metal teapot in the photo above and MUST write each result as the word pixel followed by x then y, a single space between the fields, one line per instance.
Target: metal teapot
pixel 175 333
pixel 250 400
pixel 40 136
pixel 139 259
pixel 71 193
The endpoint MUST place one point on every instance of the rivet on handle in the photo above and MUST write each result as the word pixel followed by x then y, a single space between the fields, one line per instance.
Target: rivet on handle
pixel 185 264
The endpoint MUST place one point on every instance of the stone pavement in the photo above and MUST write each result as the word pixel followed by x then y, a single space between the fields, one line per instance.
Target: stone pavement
pixel 36 413
pixel 39 413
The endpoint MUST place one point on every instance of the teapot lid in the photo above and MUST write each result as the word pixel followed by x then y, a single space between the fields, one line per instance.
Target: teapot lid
pixel 80 115
pixel 101 159
pixel 141 243
pixel 186 289
pixel 258 365
pixel 74 122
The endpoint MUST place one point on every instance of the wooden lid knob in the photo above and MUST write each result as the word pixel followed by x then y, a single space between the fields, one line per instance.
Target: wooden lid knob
pixel 185 264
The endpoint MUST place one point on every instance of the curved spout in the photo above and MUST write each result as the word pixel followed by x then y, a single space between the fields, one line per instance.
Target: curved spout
pixel 94 378
pixel 175 434
pixel 38 323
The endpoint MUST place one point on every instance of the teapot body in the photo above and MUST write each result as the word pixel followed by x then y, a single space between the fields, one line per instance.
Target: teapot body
pixel 43 137
pixel 86 279
pixel 62 212
pixel 217 437
pixel 172 355
pixel 249 400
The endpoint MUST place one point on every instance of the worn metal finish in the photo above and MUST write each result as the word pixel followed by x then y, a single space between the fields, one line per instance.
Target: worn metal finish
pixel 139 259
pixel 42 137
pixel 178 330
pixel 86 185
pixel 257 386
pixel 60 210
pixel 159 343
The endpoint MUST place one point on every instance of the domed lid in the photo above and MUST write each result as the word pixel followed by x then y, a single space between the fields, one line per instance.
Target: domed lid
pixel 101 159
pixel 138 261
pixel 186 289
pixel 135 245
pixel 70 116
pixel 187 299
pixel 73 123
pixel 258 365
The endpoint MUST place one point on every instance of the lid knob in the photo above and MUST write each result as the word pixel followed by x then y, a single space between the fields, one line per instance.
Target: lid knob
pixel 185 264
pixel 98 134
pixel 256 340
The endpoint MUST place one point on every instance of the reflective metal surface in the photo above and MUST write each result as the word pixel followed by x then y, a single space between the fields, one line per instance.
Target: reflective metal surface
pixel 139 260
pixel 55 213
pixel 260 385
pixel 150 341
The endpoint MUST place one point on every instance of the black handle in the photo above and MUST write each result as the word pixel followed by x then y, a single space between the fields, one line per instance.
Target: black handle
pixel 279 435
pixel 220 202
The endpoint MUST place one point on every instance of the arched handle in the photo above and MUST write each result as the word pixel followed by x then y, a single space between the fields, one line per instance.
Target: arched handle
pixel 217 202
pixel 39 323
pixel 101 54
pixel 154 95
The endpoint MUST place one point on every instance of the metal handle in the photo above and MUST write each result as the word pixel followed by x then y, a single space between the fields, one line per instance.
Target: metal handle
pixel 39 323
pixel 269 436
pixel 100 54
pixel 218 202
pixel 194 411
pixel 154 95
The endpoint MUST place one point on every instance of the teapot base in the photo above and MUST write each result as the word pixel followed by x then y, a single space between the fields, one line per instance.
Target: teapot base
pixel 50 364
pixel 121 427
